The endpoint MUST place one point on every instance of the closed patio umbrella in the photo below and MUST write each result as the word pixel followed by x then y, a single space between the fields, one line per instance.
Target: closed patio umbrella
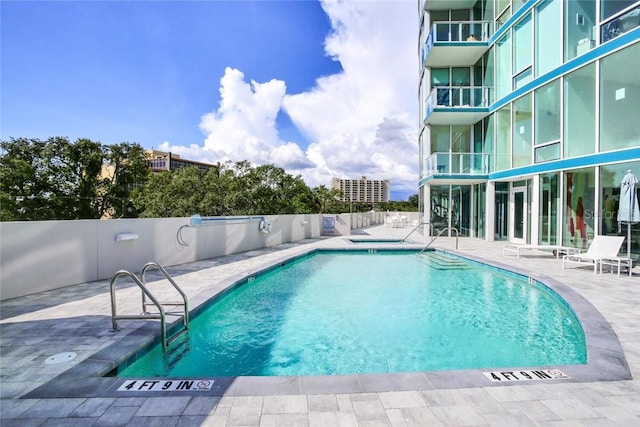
pixel 628 211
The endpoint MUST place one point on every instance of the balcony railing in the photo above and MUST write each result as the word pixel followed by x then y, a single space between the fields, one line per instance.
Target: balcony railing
pixel 457 31
pixel 457 164
pixel 457 97
pixel 461 31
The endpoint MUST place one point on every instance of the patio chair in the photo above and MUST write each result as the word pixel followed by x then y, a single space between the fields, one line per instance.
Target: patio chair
pixel 557 250
pixel 602 248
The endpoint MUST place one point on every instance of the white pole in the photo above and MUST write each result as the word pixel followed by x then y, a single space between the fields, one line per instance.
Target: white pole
pixel 628 239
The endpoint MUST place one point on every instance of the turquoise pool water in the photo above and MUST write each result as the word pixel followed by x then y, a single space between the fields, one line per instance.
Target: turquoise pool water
pixel 358 312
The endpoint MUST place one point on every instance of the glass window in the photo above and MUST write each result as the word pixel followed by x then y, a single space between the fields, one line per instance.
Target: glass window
pixel 547 153
pixel 441 18
pixel 501 5
pixel 547 113
pixel 522 131
pixel 478 93
pixel 522 44
pixel 501 217
pixel 461 80
pixel 579 203
pixel 439 217
pixel 548 36
pixel 488 161
pixel 517 4
pixel 549 202
pixel 610 179
pixel 460 24
pixel 580 112
pixel 621 24
pixel 503 66
pixel 461 139
pixel 440 79
pixel 503 138
pixel 461 143
pixel 502 19
pixel 619 95
pixel 440 139
pixel 461 209
pixel 488 11
pixel 522 79
pixel 611 7
pixel 479 209
pixel 489 73
pixel 478 72
pixel 461 76
pixel 580 17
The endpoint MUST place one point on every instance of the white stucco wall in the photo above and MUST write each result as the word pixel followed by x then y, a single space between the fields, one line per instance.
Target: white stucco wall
pixel 36 256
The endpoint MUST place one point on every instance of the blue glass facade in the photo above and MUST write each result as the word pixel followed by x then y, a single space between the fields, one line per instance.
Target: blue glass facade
pixel 530 117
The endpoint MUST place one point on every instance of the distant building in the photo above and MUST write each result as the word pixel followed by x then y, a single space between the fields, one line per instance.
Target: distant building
pixel 167 161
pixel 362 190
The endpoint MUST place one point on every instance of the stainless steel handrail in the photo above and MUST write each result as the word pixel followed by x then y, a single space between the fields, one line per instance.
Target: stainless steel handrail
pixel 145 291
pixel 184 302
pixel 440 234
pixel 418 226
pixel 161 315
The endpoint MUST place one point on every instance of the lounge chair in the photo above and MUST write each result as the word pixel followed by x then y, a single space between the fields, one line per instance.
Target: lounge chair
pixel 602 250
pixel 555 249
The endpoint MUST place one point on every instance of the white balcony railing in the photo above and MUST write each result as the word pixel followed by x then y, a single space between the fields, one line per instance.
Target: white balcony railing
pixel 457 164
pixel 457 97
pixel 461 31
pixel 457 31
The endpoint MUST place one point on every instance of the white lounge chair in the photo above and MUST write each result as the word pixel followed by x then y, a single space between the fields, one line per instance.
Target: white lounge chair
pixel 555 249
pixel 602 250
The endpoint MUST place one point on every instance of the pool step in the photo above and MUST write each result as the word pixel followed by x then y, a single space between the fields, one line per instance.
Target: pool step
pixel 442 262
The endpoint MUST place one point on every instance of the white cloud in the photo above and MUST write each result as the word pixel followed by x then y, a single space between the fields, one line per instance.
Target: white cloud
pixel 362 121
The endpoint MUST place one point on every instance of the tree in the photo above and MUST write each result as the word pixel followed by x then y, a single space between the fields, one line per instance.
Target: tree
pixel 228 189
pixel 130 169
pixel 58 179
pixel 414 201
pixel 327 200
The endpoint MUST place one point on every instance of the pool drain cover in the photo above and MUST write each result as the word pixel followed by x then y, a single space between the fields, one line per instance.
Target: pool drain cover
pixel 60 358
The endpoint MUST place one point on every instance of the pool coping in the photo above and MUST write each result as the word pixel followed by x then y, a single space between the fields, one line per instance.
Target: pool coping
pixel 605 358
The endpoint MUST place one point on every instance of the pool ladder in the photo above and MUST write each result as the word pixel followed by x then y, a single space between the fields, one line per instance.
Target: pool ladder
pixel 433 239
pixel 417 227
pixel 162 313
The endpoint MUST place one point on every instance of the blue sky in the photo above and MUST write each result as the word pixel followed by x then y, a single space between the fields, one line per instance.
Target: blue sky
pixel 321 89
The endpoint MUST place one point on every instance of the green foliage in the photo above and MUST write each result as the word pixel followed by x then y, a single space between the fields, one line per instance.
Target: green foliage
pixel 226 190
pixel 327 200
pixel 410 205
pixel 58 179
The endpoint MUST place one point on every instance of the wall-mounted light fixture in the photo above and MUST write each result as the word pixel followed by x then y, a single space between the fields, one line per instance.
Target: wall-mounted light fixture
pixel 121 237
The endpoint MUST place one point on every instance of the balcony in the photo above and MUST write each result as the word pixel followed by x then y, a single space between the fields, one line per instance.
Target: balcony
pixel 457 166
pixel 456 43
pixel 447 4
pixel 457 105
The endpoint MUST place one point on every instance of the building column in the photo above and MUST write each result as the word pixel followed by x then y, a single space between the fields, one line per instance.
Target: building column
pixel 534 208
pixel 427 209
pixel 490 213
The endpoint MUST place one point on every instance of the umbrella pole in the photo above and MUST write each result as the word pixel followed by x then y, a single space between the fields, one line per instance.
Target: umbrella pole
pixel 628 239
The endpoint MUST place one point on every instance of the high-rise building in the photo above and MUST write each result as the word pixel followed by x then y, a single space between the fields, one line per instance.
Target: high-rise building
pixel 530 117
pixel 362 190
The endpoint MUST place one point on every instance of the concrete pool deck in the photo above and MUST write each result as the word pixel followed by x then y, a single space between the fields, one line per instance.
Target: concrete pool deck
pixel 77 319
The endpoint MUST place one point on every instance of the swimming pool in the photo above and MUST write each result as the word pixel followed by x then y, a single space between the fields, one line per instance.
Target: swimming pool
pixel 345 312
